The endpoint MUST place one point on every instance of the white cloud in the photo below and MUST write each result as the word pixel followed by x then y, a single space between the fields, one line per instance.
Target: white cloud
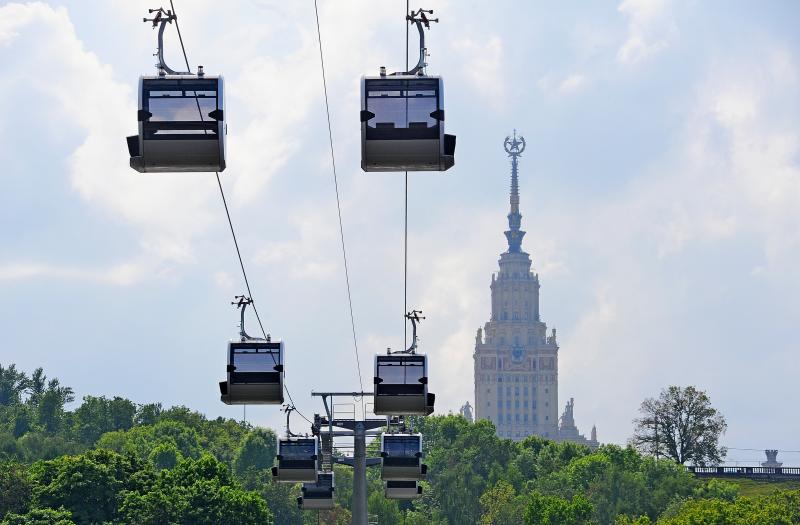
pixel 125 274
pixel 572 83
pixel 485 67
pixel 168 210
pixel 649 29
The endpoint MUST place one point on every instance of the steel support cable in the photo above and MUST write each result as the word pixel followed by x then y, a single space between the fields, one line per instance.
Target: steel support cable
pixel 405 214
pixel 338 202
pixel 230 222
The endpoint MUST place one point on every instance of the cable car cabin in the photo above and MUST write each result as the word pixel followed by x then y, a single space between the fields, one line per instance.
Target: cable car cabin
pixel 255 373
pixel 402 124
pixel 319 495
pixel 402 490
pixel 181 124
pixel 402 457
pixel 401 385
pixel 297 460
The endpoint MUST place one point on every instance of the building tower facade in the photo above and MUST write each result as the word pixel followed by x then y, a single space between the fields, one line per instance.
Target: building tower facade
pixel 516 361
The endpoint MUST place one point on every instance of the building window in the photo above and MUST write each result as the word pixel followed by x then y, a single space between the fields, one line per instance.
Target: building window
pixel 499 403
pixel 517 418
pixel 525 417
pixel 526 404
pixel 516 403
pixel 516 379
pixel 508 403
pixel 499 379
pixel 508 390
pixel 525 390
pixel 516 390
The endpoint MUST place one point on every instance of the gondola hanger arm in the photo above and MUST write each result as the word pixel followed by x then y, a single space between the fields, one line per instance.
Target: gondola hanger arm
pixel 241 302
pixel 415 317
pixel 289 409
pixel 420 19
pixel 161 19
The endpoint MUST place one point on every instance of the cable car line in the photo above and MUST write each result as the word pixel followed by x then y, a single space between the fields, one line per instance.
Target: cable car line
pixel 230 221
pixel 338 203
pixel 405 212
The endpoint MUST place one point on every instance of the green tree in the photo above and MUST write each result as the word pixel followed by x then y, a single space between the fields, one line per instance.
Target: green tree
pixel 40 517
pixel 257 451
pixel 627 520
pixel 281 498
pixel 779 508
pixel 16 488
pixel 13 384
pixel 148 414
pixel 501 505
pixel 50 405
pixel 87 485
pixel 463 459
pixel 98 415
pixel 197 491
pixel 680 424
pixel 165 455
pixel 552 510
pixel 37 384
pixel 717 489
pixel 386 510
pixel 141 441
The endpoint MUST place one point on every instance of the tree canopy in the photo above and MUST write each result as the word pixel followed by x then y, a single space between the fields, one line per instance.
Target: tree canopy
pixel 680 424
pixel 111 461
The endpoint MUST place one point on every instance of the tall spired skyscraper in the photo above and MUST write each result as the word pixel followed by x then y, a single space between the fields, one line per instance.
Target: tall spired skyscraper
pixel 516 361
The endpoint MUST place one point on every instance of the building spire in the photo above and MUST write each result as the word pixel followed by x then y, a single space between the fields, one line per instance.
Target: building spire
pixel 514 146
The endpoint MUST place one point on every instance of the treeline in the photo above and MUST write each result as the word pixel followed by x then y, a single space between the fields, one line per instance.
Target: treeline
pixel 111 461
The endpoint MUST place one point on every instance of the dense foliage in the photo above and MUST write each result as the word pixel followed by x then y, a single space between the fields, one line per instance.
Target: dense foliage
pixel 111 461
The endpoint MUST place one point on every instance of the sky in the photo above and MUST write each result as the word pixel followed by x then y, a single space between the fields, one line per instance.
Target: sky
pixel 659 192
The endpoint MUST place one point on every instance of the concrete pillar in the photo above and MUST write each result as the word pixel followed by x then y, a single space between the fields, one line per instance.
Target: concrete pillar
pixel 359 503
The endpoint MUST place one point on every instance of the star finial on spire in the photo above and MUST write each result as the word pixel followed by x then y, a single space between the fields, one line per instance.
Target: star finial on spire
pixel 514 146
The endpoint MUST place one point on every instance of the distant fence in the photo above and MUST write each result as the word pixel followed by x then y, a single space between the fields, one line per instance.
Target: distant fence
pixel 762 473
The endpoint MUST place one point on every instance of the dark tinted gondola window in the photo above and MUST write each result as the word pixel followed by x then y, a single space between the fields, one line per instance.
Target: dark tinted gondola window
pixel 297 450
pixel 181 109
pixel 401 104
pixel 255 359
pixel 397 446
pixel 401 372
pixel 324 480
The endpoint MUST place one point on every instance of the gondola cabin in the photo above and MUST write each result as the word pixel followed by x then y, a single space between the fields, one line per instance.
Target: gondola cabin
pixel 401 457
pixel 402 490
pixel 255 373
pixel 401 385
pixel 181 124
pixel 319 495
pixel 297 460
pixel 402 124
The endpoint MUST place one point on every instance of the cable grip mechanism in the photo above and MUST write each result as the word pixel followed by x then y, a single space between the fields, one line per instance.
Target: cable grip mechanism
pixel 161 19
